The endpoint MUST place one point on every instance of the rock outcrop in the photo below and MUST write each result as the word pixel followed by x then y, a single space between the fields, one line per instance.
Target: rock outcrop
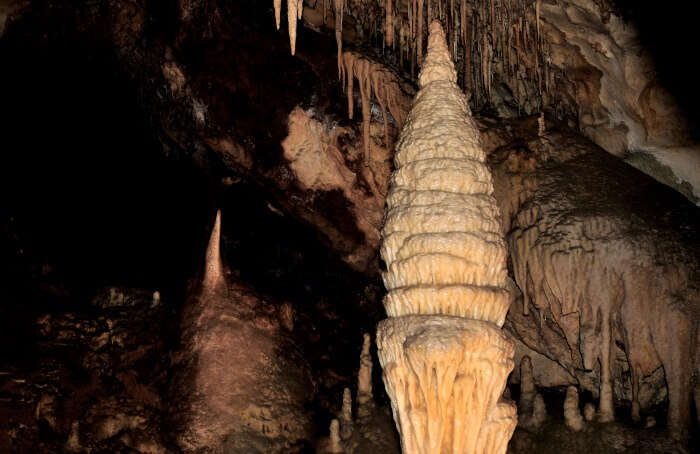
pixel 445 360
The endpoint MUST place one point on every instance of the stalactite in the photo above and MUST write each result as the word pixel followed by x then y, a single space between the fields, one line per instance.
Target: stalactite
pixel 339 6
pixel 419 33
pixel 389 23
pixel 492 41
pixel 278 11
pixel 292 23
pixel 374 80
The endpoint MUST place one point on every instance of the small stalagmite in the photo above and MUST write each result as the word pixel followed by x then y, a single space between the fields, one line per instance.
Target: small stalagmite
pixel 364 379
pixel 572 414
pixel 539 411
pixel 527 386
pixel 445 359
pixel 346 416
pixel 531 407
pixel 335 444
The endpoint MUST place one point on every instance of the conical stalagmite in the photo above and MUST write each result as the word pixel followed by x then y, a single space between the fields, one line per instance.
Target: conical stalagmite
pixel 444 356
pixel 213 268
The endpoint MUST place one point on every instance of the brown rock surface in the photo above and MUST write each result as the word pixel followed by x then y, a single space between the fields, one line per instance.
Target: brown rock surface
pixel 601 262
pixel 234 390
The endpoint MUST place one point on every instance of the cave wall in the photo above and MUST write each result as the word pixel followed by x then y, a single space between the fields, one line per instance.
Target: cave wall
pixel 583 61
pixel 608 274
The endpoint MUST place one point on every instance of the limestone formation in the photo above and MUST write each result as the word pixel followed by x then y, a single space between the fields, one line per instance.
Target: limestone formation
pixel 539 412
pixel 444 356
pixel 231 389
pixel 346 415
pixel 572 414
pixel 531 408
pixel 594 263
pixel 335 445
pixel 378 81
pixel 527 386
pixel 364 379
pixel 371 430
pixel 589 412
pixel 580 60
pixel 295 9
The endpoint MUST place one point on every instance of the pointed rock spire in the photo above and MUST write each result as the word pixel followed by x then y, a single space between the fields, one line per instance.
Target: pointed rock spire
pixel 213 268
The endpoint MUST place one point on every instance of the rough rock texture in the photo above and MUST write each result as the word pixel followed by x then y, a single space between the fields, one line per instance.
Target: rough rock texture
pixel 582 61
pixel 94 382
pixel 313 152
pixel 623 104
pixel 234 390
pixel 445 361
pixel 601 262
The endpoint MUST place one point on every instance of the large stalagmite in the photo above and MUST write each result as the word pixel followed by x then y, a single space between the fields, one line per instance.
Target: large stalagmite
pixel 444 356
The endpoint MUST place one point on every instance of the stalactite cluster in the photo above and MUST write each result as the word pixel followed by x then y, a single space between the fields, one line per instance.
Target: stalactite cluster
pixel 498 45
pixel 295 9
pixel 444 357
pixel 492 41
pixel 375 80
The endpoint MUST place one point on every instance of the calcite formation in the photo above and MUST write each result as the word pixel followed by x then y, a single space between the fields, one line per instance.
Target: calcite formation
pixel 572 413
pixel 375 80
pixel 579 60
pixel 444 356
pixel 601 267
pixel 231 391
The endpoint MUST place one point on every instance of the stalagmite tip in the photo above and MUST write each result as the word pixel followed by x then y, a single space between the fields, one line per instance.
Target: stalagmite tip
pixel 438 63
pixel 213 268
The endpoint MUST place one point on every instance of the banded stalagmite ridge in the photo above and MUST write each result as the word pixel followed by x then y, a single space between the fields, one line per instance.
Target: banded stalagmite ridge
pixel 444 356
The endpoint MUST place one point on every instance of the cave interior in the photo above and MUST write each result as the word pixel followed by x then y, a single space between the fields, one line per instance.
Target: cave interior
pixel 197 202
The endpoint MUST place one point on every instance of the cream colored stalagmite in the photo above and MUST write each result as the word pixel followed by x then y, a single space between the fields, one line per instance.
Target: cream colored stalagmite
pixel 444 356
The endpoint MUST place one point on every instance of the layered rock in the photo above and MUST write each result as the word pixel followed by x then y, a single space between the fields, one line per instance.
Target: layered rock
pixel 444 356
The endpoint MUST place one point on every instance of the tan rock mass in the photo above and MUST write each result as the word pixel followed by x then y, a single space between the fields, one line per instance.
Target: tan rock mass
pixel 444 356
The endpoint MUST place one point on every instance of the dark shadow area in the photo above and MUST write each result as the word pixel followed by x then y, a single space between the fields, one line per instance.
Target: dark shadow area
pixel 88 197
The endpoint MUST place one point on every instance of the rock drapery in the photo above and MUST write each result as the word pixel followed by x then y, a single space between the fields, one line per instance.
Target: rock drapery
pixel 602 271
pixel 444 361
pixel 579 60
pixel 378 80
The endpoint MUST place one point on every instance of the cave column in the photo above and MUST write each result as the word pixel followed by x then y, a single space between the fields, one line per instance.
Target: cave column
pixel 445 359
